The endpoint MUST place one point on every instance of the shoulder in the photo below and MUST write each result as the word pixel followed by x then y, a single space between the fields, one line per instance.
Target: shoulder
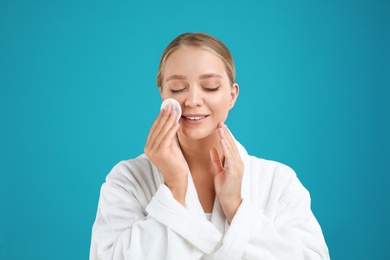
pixel 134 174
pixel 269 169
pixel 255 166
pixel 271 177
pixel 261 171
pixel 270 166
pixel 141 163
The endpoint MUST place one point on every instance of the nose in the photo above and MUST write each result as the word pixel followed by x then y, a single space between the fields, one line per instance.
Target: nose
pixel 194 97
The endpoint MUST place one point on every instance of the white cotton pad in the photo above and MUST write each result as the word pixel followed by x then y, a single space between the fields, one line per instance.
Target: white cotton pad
pixel 175 105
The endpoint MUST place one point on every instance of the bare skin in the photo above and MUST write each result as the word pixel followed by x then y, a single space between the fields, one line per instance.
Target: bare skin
pixel 197 79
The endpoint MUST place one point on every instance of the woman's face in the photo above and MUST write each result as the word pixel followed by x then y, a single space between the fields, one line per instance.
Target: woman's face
pixel 197 79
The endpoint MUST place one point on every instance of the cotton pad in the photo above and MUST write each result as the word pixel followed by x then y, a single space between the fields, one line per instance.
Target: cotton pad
pixel 174 104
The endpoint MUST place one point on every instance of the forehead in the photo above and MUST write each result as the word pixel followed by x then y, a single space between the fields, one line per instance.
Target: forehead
pixel 193 60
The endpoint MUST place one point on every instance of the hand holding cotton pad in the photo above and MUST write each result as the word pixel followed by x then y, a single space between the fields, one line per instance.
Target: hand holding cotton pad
pixel 175 106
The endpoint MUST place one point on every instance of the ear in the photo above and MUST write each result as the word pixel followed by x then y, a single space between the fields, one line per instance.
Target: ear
pixel 234 95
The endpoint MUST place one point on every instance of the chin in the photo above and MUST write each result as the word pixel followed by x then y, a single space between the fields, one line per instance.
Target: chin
pixel 197 134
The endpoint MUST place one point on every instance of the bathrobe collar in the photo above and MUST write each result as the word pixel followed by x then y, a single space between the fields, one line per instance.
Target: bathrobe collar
pixel 217 217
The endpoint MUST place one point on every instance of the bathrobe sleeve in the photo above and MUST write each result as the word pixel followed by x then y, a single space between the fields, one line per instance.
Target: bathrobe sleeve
pixel 274 220
pixel 138 218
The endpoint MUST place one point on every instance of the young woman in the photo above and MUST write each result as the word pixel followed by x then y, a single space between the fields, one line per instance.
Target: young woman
pixel 196 193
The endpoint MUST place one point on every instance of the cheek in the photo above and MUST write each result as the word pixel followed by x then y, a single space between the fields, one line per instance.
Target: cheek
pixel 165 93
pixel 179 98
pixel 220 103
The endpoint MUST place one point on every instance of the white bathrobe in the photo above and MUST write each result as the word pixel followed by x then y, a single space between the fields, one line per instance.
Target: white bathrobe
pixel 138 218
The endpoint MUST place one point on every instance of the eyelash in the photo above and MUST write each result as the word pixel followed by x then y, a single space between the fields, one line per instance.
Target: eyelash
pixel 174 91
pixel 212 89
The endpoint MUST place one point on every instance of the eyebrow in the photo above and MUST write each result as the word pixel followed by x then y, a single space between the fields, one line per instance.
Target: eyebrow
pixel 204 76
pixel 173 77
pixel 210 75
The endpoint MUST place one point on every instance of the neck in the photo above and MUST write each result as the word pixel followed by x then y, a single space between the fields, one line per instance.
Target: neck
pixel 197 152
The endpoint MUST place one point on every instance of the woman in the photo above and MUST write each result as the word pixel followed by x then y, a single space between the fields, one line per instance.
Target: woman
pixel 196 193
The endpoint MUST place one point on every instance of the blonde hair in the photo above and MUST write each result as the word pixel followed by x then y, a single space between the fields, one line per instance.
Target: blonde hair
pixel 203 41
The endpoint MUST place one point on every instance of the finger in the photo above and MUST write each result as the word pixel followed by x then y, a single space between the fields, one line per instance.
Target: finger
pixel 230 142
pixel 155 129
pixel 233 159
pixel 228 137
pixel 155 123
pixel 229 159
pixel 225 143
pixel 166 141
pixel 164 127
pixel 159 123
pixel 214 155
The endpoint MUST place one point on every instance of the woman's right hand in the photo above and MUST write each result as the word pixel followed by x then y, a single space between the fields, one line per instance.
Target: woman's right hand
pixel 164 152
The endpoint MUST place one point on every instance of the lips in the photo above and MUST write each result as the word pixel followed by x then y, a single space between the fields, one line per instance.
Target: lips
pixel 194 118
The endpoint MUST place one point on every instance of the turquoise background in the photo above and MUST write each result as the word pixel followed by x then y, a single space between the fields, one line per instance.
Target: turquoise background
pixel 78 94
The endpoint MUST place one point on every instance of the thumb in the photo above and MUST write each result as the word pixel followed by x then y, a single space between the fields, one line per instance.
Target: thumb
pixel 216 160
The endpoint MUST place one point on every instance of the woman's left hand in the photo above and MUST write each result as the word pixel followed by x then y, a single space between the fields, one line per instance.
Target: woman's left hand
pixel 227 179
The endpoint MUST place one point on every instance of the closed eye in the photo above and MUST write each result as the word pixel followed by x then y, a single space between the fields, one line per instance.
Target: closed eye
pixel 176 90
pixel 211 89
